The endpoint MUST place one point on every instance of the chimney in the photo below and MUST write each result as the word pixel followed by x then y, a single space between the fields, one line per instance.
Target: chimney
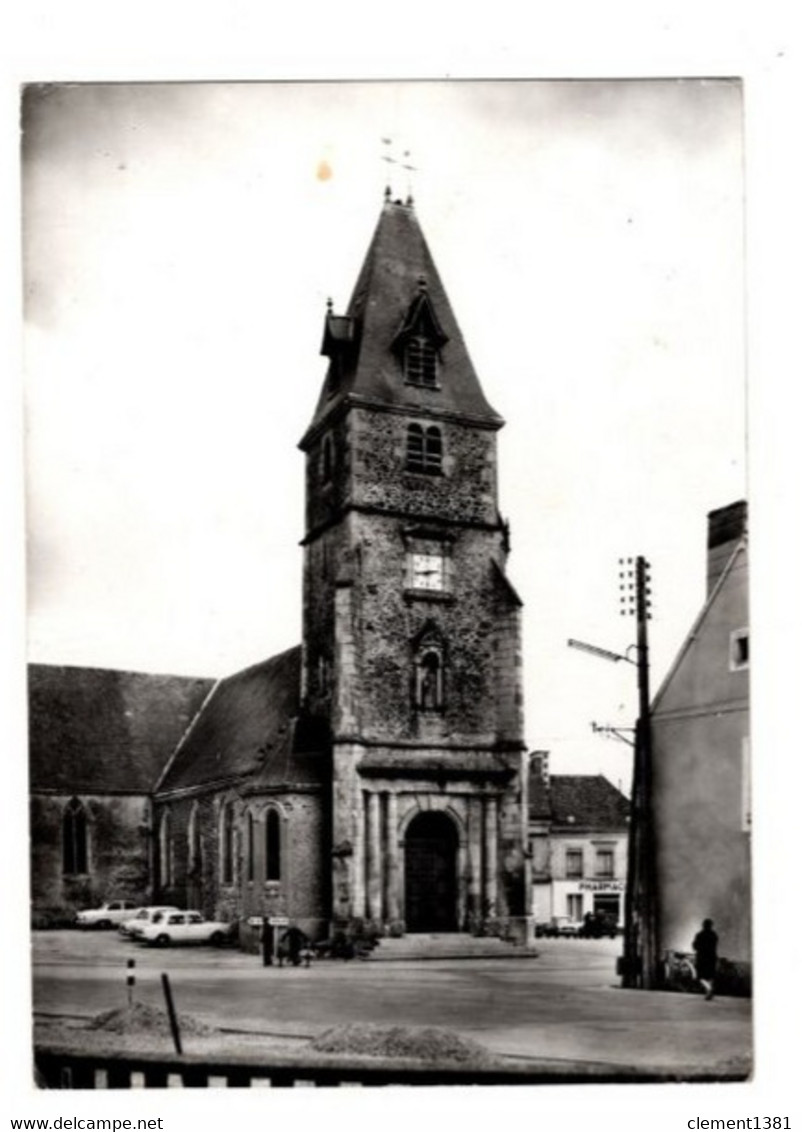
pixel 539 767
pixel 725 528
pixel 539 793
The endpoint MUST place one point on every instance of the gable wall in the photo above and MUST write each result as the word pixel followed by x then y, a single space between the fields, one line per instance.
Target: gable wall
pixel 700 766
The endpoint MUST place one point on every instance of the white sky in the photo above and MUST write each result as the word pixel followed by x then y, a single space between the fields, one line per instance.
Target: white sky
pixel 179 248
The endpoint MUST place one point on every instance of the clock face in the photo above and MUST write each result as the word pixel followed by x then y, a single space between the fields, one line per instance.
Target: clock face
pixel 427 572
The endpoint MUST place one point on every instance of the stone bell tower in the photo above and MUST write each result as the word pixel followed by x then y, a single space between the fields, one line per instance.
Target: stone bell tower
pixel 411 640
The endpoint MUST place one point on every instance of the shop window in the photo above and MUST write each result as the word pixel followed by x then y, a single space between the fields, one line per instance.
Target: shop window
pixel 573 863
pixel 272 845
pixel 574 906
pixel 73 830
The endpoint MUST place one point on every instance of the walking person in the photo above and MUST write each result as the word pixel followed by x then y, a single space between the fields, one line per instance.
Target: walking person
pixel 705 946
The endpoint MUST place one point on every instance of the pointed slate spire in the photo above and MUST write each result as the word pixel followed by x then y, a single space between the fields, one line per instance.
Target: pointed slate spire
pixel 398 286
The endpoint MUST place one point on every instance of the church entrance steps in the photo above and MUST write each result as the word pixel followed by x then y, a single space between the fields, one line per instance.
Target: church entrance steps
pixel 448 945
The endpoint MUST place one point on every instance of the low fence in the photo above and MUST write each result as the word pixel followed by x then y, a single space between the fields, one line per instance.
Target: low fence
pixel 61 1068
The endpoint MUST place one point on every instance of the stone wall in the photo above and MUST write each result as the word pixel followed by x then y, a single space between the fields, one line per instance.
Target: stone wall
pixel 327 561
pixel 465 492
pixel 300 892
pixel 118 854
pixel 481 700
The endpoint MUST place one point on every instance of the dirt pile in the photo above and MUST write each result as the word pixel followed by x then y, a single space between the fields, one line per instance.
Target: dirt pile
pixel 428 1043
pixel 142 1019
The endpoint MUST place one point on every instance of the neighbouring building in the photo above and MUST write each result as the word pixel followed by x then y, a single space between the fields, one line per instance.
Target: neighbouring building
pixel 700 766
pixel 377 773
pixel 578 829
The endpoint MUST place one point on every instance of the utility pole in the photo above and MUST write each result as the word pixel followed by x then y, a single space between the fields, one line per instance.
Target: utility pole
pixel 638 967
pixel 640 960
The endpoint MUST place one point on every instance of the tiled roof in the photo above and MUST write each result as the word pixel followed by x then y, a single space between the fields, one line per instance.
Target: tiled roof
pixel 97 730
pixel 584 800
pixel 389 283
pixel 249 729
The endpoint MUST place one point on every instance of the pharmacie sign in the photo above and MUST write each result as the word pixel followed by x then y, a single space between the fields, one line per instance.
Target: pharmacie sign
pixel 601 886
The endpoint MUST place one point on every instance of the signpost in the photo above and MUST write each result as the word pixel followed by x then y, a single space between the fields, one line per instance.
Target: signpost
pixel 269 928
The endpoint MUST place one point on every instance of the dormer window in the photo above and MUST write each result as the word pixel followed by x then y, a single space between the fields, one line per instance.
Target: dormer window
pixel 419 341
pixel 424 449
pixel 420 361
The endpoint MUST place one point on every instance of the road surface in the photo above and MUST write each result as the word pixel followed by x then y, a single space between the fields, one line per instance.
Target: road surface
pixel 566 1004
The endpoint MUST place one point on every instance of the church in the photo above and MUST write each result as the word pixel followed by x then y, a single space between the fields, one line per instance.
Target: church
pixel 376 774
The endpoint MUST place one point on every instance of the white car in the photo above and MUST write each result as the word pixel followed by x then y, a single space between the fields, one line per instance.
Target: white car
pixel 108 915
pixel 133 926
pixel 184 927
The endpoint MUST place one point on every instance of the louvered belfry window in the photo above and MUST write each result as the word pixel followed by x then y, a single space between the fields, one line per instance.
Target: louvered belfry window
pixel 424 449
pixel 421 361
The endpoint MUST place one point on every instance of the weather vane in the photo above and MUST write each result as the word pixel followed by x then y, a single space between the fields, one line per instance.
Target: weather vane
pixel 390 158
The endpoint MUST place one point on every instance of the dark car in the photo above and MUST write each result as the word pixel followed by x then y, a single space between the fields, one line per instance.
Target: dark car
pixel 598 924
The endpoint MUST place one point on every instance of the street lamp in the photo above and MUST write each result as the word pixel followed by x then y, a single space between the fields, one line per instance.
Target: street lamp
pixel 606 654
pixel 617 732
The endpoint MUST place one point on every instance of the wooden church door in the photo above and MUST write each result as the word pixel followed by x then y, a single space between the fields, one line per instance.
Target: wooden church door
pixel 431 874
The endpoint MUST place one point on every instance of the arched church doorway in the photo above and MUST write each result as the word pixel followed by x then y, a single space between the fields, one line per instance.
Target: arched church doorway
pixel 430 881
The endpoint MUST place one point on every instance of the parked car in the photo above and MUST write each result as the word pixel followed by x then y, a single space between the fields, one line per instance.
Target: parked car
pixel 598 924
pixel 559 926
pixel 141 916
pixel 107 915
pixel 184 927
pixel 567 927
